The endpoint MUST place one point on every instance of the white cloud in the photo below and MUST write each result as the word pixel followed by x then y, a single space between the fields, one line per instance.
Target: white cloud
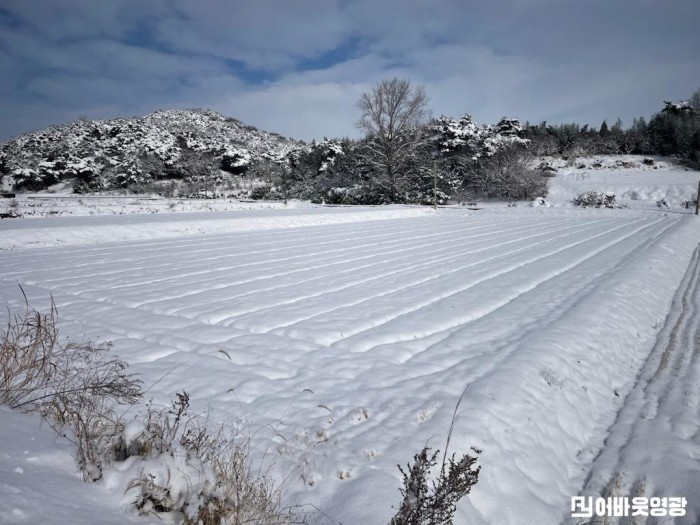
pixel 533 59
pixel 264 34
pixel 62 20
pixel 302 111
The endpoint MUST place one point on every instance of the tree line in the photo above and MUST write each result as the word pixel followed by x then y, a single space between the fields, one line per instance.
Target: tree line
pixel 406 157
pixel 674 131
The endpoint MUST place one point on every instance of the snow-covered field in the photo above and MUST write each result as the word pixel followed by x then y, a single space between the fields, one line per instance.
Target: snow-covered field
pixel 637 186
pixel 72 230
pixel 352 333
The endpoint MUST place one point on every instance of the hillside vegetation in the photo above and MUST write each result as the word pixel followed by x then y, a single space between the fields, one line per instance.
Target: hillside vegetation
pixel 197 147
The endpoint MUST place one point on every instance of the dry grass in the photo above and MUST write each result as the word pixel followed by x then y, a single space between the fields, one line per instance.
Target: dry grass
pixel 239 497
pixel 74 386
pixel 432 500
pixel 81 391
pixel 229 491
pixel 37 371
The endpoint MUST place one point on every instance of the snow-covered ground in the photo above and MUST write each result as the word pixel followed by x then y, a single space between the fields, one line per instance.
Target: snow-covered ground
pixel 353 332
pixel 634 183
pixel 654 445
pixel 38 481
pixel 54 231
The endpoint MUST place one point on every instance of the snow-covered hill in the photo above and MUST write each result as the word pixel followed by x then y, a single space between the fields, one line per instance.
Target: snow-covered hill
pixel 118 152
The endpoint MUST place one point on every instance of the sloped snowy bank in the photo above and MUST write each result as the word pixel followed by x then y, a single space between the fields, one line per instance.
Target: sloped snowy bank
pixel 634 183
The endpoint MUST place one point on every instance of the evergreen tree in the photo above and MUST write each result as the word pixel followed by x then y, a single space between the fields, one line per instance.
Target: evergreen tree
pixel 616 129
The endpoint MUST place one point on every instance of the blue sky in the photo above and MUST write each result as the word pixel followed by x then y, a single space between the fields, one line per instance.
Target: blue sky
pixel 297 67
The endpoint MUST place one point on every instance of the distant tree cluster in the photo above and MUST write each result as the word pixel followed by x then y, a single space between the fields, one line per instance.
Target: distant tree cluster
pixel 405 157
pixel 674 131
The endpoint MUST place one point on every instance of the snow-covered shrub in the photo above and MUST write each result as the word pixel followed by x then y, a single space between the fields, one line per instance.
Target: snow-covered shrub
pixel 434 502
pixel 179 463
pixel 505 174
pixel 337 173
pixel 271 180
pixel 546 169
pixel 360 194
pixel 426 197
pixel 463 134
pixel 268 193
pixel 474 140
pixel 624 164
pixel 491 161
pixel 205 475
pixel 595 199
pixel 330 150
pixel 28 179
pixel 96 184
pixel 11 211
pixel 235 160
pixel 238 496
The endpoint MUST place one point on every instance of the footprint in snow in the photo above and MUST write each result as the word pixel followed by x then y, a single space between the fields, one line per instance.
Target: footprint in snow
pixel 358 416
pixel 427 413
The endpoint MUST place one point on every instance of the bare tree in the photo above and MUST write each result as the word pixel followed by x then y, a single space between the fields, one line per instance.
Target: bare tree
pixel 391 114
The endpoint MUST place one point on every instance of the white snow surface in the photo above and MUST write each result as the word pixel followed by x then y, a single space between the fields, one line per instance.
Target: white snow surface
pixel 74 229
pixel 352 333
pixel 637 186
pixel 40 483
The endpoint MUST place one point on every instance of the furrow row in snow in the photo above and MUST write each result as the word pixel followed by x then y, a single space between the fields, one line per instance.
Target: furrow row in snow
pixel 346 346
pixel 653 448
